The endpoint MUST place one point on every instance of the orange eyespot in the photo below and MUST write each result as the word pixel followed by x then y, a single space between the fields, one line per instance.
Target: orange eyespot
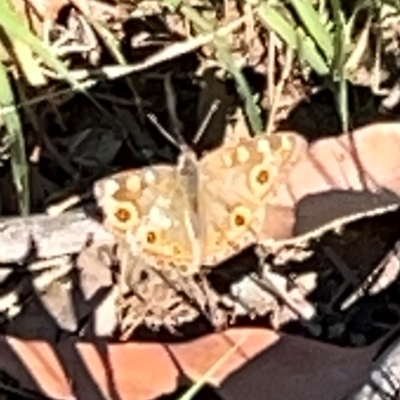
pixel 239 220
pixel 262 176
pixel 123 215
pixel 151 237
pixel 120 215
pixel 260 179
pixel 240 217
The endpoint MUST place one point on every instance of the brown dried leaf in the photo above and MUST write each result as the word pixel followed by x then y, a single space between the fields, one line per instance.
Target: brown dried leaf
pixel 266 366
pixel 276 367
pixel 86 370
pixel 338 180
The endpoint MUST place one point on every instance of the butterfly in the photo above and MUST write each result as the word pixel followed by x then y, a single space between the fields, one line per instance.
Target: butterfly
pixel 201 211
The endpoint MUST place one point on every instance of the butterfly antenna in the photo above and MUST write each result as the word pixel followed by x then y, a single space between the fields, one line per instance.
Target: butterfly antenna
pixel 179 141
pixel 153 119
pixel 214 107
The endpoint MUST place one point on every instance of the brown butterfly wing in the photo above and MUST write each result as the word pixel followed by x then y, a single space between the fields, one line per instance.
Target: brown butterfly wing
pixel 236 184
pixel 148 208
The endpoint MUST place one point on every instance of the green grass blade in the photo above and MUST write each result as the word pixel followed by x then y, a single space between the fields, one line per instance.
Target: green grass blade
pixel 275 20
pixel 22 55
pixel 252 110
pixel 172 4
pixel 212 370
pixel 296 39
pixel 13 27
pixel 341 43
pixel 227 61
pixel 313 23
pixel 19 164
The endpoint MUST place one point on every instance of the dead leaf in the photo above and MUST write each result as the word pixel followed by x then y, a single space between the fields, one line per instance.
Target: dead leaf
pixel 267 365
pixel 338 180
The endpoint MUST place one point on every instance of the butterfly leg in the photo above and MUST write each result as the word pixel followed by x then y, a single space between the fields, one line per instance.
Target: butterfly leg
pixel 137 303
pixel 197 293
pixel 198 288
pixel 152 298
pixel 129 320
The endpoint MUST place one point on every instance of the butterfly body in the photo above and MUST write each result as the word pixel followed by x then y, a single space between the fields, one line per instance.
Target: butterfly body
pixel 201 211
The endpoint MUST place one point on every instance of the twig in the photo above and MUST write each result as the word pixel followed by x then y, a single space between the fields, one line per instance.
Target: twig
pixel 48 236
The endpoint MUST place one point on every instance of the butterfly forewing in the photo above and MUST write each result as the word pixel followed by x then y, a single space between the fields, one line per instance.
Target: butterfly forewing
pixel 149 206
pixel 237 182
